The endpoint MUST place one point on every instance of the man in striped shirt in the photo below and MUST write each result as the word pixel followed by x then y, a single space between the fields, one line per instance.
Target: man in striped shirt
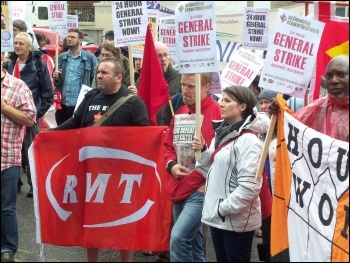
pixel 17 110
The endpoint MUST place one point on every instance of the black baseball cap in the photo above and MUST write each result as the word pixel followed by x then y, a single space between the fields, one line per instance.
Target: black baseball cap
pixel 109 35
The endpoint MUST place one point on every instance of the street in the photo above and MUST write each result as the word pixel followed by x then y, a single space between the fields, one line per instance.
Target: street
pixel 29 250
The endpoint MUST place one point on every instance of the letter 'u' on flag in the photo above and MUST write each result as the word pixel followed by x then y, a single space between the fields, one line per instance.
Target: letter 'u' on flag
pixel 334 41
pixel 153 88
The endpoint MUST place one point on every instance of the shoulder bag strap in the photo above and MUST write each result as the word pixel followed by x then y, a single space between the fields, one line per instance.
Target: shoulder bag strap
pixel 227 142
pixel 113 108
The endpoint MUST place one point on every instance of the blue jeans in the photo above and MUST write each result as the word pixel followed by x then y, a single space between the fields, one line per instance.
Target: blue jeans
pixel 231 246
pixel 186 240
pixel 9 227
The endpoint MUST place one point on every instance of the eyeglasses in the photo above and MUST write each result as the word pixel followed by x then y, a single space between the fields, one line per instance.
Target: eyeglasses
pixel 165 55
pixel 106 56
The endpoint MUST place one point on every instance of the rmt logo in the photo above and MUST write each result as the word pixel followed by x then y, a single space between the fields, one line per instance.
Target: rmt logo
pixel 97 176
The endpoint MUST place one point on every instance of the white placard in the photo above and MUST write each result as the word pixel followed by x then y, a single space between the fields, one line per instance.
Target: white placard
pixel 167 34
pixel 196 36
pixel 30 30
pixel 129 22
pixel 84 89
pixel 292 53
pixel 58 17
pixel 256 28
pixel 6 27
pixel 18 9
pixel 242 69
pixel 72 21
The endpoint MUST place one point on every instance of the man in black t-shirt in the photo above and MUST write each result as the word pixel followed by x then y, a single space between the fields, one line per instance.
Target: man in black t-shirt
pixel 95 103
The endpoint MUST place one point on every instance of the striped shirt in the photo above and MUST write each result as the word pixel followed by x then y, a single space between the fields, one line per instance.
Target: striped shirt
pixel 15 93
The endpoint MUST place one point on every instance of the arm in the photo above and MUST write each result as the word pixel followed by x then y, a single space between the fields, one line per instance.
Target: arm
pixel 17 116
pixel 173 168
pixel 75 121
pixel 93 68
pixel 46 91
pixel 139 112
pixel 247 154
pixel 203 164
pixel 57 74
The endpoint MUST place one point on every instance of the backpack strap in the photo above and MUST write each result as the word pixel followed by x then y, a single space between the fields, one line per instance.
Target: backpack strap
pixel 227 142
pixel 39 66
pixel 113 108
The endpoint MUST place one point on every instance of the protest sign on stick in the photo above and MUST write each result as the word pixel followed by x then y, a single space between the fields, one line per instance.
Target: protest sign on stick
pixel 196 44
pixel 292 54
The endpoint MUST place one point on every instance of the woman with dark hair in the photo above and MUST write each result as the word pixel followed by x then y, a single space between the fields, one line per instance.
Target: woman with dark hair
pixel 232 203
pixel 108 50
pixel 41 39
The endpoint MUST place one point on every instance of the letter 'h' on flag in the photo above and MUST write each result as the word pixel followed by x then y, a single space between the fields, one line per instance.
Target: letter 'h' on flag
pixel 153 89
pixel 334 42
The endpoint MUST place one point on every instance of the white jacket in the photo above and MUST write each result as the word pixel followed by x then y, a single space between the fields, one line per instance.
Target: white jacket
pixel 232 194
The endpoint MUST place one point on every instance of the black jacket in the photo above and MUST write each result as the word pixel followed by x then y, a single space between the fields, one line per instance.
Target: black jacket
pixel 131 113
pixel 40 86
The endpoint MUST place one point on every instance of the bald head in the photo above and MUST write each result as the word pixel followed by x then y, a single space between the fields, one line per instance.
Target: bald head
pixel 163 54
pixel 337 77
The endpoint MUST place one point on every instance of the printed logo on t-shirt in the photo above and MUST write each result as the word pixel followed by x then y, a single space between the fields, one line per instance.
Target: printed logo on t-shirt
pixel 97 116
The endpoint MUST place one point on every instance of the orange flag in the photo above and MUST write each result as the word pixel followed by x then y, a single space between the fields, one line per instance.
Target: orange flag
pixel 279 227
pixel 153 88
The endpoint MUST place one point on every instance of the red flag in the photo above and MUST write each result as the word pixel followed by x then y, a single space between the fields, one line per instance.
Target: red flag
pixel 16 71
pixel 334 42
pixel 153 88
pixel 102 191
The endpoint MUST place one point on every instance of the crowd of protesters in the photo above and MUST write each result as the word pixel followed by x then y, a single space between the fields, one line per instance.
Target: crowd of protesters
pixel 220 191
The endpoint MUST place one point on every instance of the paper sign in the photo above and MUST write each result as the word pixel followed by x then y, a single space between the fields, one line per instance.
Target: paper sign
pixel 196 37
pixel 242 69
pixel 292 53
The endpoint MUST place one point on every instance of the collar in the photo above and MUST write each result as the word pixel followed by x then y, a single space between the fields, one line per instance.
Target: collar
pixel 205 103
pixel 340 102
pixel 70 55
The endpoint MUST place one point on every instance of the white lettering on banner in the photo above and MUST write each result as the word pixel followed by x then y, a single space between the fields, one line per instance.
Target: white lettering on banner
pixel 99 184
pixel 99 187
pixel 130 179
pixel 71 183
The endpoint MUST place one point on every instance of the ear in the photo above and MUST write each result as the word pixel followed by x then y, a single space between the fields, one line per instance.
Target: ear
pixel 242 107
pixel 119 78
pixel 206 87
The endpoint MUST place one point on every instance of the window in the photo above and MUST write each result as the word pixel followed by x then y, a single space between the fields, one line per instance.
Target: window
pixel 43 13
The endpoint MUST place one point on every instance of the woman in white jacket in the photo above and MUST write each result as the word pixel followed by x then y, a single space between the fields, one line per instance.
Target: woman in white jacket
pixel 232 204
